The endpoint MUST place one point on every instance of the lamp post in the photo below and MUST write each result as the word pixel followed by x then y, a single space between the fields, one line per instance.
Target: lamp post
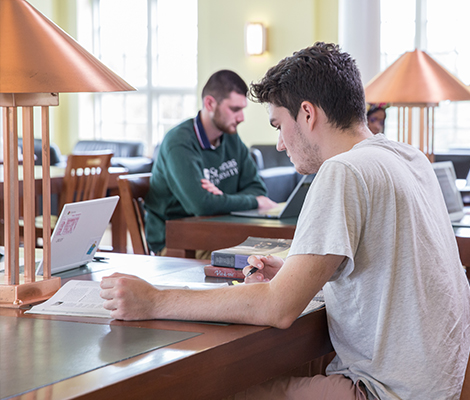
pixel 38 60
pixel 415 80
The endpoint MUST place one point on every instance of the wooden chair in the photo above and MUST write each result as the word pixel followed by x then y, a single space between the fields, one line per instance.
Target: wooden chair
pixel 465 395
pixel 463 243
pixel 132 190
pixel 86 177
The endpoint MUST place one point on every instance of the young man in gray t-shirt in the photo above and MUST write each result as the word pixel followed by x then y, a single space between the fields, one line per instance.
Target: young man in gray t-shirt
pixel 374 232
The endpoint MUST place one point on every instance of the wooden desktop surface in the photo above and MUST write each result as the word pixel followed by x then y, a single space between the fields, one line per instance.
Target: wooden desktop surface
pixel 463 242
pixel 185 235
pixel 222 360
pixel 118 223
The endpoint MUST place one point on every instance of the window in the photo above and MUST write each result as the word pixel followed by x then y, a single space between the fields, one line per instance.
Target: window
pixel 152 44
pixel 439 28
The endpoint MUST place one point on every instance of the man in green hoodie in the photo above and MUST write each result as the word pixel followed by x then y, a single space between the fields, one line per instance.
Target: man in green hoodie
pixel 203 167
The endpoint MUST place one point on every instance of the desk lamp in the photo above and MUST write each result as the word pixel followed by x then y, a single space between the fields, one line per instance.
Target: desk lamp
pixel 38 60
pixel 416 80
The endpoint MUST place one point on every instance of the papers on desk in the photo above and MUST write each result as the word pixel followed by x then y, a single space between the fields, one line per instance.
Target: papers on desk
pixel 82 298
pixel 78 298
pixel 315 304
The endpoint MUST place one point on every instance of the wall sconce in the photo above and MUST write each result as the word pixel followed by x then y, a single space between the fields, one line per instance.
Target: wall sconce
pixel 255 38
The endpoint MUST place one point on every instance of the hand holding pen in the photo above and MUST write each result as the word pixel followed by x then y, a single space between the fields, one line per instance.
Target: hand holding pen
pixel 262 268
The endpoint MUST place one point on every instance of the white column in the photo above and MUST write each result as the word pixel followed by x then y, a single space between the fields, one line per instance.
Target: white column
pixel 359 34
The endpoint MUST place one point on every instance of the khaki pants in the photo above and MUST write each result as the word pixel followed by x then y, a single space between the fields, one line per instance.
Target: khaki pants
pixel 318 387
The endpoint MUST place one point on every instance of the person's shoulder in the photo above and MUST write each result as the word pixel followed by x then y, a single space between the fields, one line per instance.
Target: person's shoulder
pixel 393 147
pixel 233 141
pixel 185 126
pixel 375 146
pixel 180 134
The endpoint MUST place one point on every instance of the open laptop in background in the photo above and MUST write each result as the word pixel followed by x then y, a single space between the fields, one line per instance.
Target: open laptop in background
pixel 446 176
pixel 288 209
pixel 78 232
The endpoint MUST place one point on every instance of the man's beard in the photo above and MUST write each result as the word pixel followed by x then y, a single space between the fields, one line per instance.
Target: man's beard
pixel 310 155
pixel 221 125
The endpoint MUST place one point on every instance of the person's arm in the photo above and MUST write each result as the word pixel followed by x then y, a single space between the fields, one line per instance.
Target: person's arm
pixel 264 203
pixel 277 302
pixel 184 175
pixel 210 187
pixel 250 181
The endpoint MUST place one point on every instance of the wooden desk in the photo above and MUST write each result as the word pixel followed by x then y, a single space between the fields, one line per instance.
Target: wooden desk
pixel 222 360
pixel 118 223
pixel 184 236
pixel 463 242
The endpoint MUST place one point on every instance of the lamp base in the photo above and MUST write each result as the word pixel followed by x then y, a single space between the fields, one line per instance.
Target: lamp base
pixel 15 296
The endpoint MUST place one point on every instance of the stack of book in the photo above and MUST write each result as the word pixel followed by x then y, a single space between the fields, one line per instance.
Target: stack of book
pixel 229 263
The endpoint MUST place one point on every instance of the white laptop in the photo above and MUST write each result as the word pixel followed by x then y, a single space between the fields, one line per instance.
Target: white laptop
pixel 446 176
pixel 288 209
pixel 78 232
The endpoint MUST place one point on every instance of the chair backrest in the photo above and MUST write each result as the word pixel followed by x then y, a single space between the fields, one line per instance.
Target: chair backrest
pixel 132 190
pixel 270 157
pixel 86 177
pixel 120 148
pixel 55 157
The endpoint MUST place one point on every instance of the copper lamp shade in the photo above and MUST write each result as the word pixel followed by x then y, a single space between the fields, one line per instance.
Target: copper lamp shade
pixel 36 56
pixel 415 80
pixel 38 60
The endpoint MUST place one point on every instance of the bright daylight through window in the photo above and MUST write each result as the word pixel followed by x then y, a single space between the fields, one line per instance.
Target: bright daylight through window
pixel 152 44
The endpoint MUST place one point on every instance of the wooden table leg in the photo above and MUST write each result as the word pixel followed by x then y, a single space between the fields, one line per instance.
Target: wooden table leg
pixel 118 227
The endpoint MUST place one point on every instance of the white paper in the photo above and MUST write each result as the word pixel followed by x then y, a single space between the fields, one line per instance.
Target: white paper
pixel 82 298
pixel 315 304
pixel 78 298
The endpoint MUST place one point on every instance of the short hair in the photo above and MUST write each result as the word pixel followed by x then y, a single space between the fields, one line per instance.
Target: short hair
pixel 222 83
pixel 320 74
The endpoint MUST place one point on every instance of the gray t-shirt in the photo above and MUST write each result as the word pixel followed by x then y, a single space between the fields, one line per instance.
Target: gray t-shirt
pixel 398 307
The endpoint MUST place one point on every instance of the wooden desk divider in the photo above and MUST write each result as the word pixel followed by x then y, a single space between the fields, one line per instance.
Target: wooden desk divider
pixel 19 289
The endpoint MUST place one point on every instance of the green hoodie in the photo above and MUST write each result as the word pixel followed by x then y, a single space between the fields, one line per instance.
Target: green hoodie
pixel 175 185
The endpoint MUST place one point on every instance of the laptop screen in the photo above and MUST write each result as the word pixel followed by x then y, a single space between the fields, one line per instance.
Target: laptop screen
pixel 78 232
pixel 445 173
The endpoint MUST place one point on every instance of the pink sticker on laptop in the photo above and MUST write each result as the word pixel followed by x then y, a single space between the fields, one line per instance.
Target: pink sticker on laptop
pixel 68 225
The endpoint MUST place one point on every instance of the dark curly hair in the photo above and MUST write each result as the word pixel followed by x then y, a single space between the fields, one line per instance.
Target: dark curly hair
pixel 321 74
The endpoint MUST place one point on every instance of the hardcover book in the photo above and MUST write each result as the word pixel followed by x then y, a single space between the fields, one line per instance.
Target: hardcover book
pixel 223 272
pixel 237 256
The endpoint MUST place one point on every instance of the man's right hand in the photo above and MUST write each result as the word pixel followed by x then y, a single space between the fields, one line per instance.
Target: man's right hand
pixel 265 203
pixel 210 187
pixel 267 266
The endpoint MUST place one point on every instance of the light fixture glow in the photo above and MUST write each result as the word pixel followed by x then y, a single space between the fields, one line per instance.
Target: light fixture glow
pixel 255 38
